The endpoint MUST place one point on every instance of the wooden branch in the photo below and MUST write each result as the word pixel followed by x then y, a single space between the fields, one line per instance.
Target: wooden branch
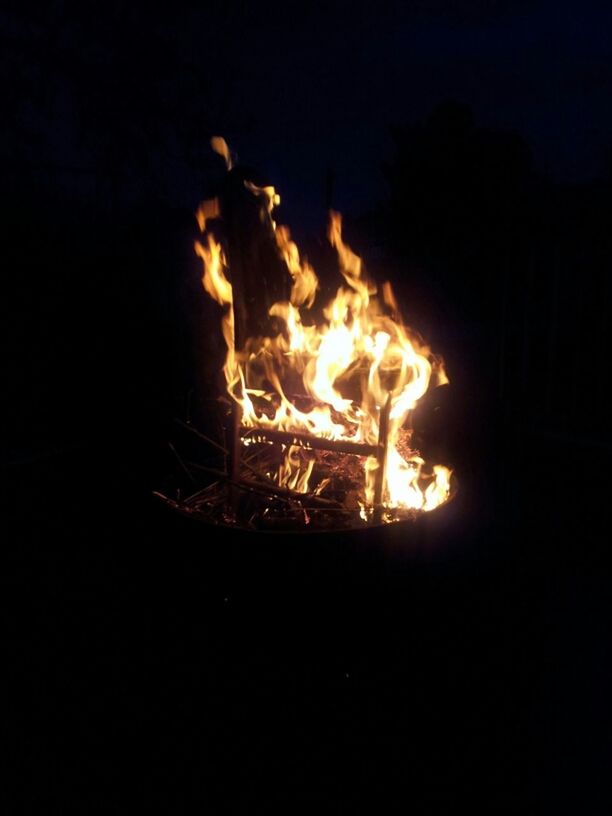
pixel 383 444
pixel 305 440
pixel 188 427
pixel 180 461
pixel 269 489
pixel 234 453
pixel 284 493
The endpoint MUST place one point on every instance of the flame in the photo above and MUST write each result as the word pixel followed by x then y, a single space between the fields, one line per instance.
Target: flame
pixel 296 469
pixel 207 209
pixel 219 145
pixel 305 282
pixel 361 340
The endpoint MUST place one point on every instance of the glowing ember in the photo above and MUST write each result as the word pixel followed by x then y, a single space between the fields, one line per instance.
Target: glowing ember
pixel 360 346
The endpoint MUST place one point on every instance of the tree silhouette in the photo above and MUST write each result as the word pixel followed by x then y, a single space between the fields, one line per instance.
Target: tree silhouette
pixel 458 192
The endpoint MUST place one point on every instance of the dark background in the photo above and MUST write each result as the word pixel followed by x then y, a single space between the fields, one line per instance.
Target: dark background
pixel 150 661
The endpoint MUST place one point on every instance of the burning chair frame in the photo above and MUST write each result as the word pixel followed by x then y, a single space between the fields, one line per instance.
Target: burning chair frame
pixel 262 322
pixel 241 433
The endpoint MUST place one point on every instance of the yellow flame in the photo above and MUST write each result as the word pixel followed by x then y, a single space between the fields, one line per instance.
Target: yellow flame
pixel 268 194
pixel 295 471
pixel 305 283
pixel 214 280
pixel 361 344
pixel 207 209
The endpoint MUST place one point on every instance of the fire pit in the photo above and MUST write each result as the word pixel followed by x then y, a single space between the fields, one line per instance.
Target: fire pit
pixel 321 385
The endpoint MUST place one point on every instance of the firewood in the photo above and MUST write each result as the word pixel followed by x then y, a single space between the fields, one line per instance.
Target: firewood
pixel 308 441
pixel 306 499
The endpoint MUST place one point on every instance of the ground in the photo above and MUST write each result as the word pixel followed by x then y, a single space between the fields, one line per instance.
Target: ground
pixel 152 661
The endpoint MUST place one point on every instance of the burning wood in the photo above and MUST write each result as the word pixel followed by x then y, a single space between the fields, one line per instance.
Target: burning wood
pixel 312 400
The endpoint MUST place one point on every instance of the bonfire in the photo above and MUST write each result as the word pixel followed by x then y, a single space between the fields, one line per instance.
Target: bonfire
pixel 320 391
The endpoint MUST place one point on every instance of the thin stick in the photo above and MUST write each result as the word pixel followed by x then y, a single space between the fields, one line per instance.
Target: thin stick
pixel 254 471
pixel 180 461
pixel 201 492
pixel 221 474
pixel 253 487
pixel 201 435
pixel 283 492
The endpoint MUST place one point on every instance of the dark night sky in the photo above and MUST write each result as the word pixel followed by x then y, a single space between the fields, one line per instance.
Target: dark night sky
pixel 317 87
pixel 113 107
pixel 297 89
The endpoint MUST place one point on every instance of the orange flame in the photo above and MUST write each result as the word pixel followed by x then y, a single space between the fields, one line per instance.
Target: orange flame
pixel 360 340
pixel 219 145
